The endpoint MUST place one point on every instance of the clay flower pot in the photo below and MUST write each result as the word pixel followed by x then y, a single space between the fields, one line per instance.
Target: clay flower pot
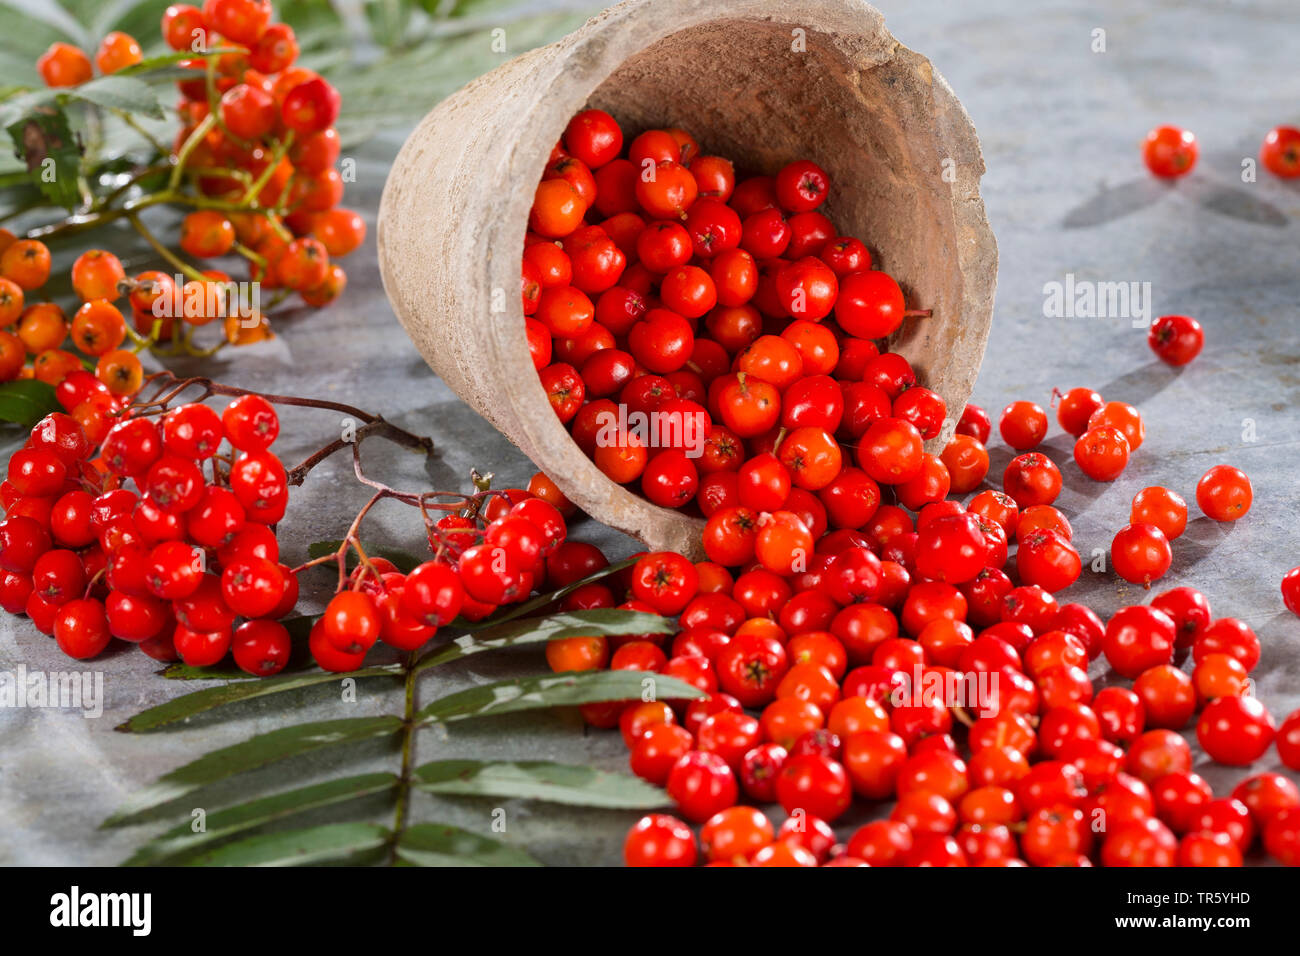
pixel 759 81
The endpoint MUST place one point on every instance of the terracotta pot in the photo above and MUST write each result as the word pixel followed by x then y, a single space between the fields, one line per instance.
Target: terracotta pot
pixel 759 81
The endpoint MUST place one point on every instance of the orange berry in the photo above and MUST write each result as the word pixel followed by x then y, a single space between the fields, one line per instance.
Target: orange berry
pixel 42 327
pixel 271 249
pixel 95 275
pixel 541 486
pixel 64 65
pixel 54 365
pixel 144 323
pixel 247 328
pixel 121 371
pixel 13 354
pixel 11 302
pixel 183 27
pixel 202 302
pixel 557 209
pixel 98 327
pixel 577 654
pixel 206 234
pixel 250 227
pixel 26 262
pixel 149 287
pixel 117 51
pixel 7 239
pixel 336 280
pixel 304 265
pixel 339 230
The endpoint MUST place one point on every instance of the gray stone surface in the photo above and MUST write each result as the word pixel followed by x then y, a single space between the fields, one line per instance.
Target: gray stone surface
pixel 1066 193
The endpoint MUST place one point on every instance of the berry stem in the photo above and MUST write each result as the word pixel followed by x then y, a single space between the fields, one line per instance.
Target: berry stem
pixel 381 427
pixel 174 260
pixel 260 183
pixel 193 140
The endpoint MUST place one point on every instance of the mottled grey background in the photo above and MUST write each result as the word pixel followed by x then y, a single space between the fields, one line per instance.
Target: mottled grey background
pixel 1066 193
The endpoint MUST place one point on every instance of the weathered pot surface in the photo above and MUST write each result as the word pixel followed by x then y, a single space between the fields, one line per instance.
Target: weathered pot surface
pixel 757 81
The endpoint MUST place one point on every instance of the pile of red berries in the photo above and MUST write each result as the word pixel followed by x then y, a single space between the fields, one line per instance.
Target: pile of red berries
pixel 482 561
pixel 660 281
pixel 257 138
pixel 813 699
pixel 171 565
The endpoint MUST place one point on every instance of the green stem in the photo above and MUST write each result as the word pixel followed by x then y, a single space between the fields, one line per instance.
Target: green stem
pixel 409 727
pixel 130 121
pixel 278 154
pixel 188 147
pixel 107 201
pixel 174 260
pixel 250 255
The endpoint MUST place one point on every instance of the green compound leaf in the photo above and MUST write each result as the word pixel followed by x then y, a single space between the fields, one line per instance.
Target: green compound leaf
pixel 251 754
pixel 539 780
pixel 323 844
pixel 124 93
pixel 556 690
pixel 437 844
pixel 183 841
pixel 187 705
pixel 601 621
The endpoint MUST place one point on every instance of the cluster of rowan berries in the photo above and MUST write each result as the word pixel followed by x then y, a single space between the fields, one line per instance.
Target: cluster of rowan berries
pixel 34 335
pixel 257 138
pixel 170 565
pixel 485 557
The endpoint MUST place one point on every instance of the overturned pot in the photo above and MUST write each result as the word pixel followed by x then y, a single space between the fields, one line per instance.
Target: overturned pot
pixel 759 81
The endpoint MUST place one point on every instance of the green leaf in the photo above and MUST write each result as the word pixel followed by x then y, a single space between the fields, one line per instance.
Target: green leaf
pixel 29 29
pixel 389 20
pixel 542 600
pixel 27 401
pixel 48 148
pixel 182 840
pixel 155 67
pixel 139 18
pixel 539 780
pixel 556 690
pixel 323 844
pixel 258 751
pixel 437 844
pixel 187 705
pixel 600 621
pixel 376 94
pixel 124 93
